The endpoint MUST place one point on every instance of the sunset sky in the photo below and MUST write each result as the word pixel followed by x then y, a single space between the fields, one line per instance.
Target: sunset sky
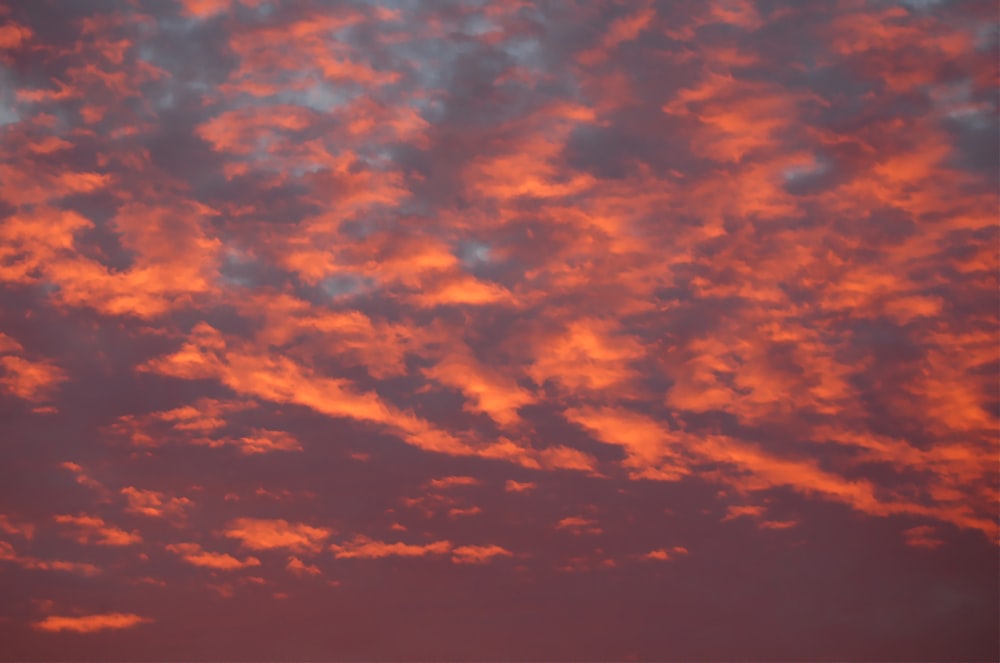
pixel 499 330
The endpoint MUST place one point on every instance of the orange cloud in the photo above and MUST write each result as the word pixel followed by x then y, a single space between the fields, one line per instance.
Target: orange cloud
pixel 467 511
pixel 620 31
pixel 93 530
pixel 8 344
pixel 84 479
pixel 197 423
pixel 922 537
pixel 30 186
pixel 485 389
pixel 90 623
pixel 739 511
pixel 12 35
pixel 312 55
pixel 579 525
pixel 31 380
pixel 362 547
pixel 8 553
pixel 453 481
pixel 591 355
pixel 278 378
pixel 653 451
pixel 174 261
pixel 25 530
pixel 297 567
pixel 79 568
pixel 192 553
pixel 663 555
pixel 431 503
pixel 269 534
pixel 315 331
pixel 467 290
pixel 29 242
pixel 155 504
pixel 778 524
pixel 529 167
pixel 265 441
pixel 512 486
pixel 731 131
pixel 205 8
pixel 595 561
pixel 478 554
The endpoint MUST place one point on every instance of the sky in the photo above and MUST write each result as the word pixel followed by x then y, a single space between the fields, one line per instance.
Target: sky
pixel 565 330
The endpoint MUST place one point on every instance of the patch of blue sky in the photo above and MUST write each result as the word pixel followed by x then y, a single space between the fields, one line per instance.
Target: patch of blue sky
pixel 345 285
pixel 800 171
pixel 473 253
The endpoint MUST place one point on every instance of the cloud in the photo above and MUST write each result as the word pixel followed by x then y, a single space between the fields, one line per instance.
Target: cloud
pixel 265 441
pixel 281 379
pixel 579 525
pixel 622 30
pixel 590 355
pixel 260 441
pixel 193 554
pixel 362 547
pixel 79 568
pixel 276 533
pixel 663 554
pixel 650 446
pixel 12 35
pixel 478 554
pixel 25 530
pixel 297 567
pixel 30 380
pixel 487 390
pixel 8 553
pixel 466 511
pixel 739 511
pixel 453 481
pixel 90 623
pixel 83 478
pixel 922 536
pixel 200 422
pixel 155 504
pixel 562 457
pixel 512 486
pixel 778 524
pixel 88 530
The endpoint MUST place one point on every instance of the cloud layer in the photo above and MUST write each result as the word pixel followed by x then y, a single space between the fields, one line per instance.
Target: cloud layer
pixel 632 321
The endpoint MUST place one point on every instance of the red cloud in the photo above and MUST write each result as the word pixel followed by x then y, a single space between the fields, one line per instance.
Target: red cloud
pixel 478 554
pixel 155 504
pixel 663 554
pixel 193 554
pixel 91 623
pixel 31 380
pixel 297 567
pixel 93 530
pixel 8 553
pixel 366 548
pixel 268 534
pixel 449 482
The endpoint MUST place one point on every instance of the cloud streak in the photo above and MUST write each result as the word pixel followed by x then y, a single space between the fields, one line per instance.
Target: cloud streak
pixel 90 623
